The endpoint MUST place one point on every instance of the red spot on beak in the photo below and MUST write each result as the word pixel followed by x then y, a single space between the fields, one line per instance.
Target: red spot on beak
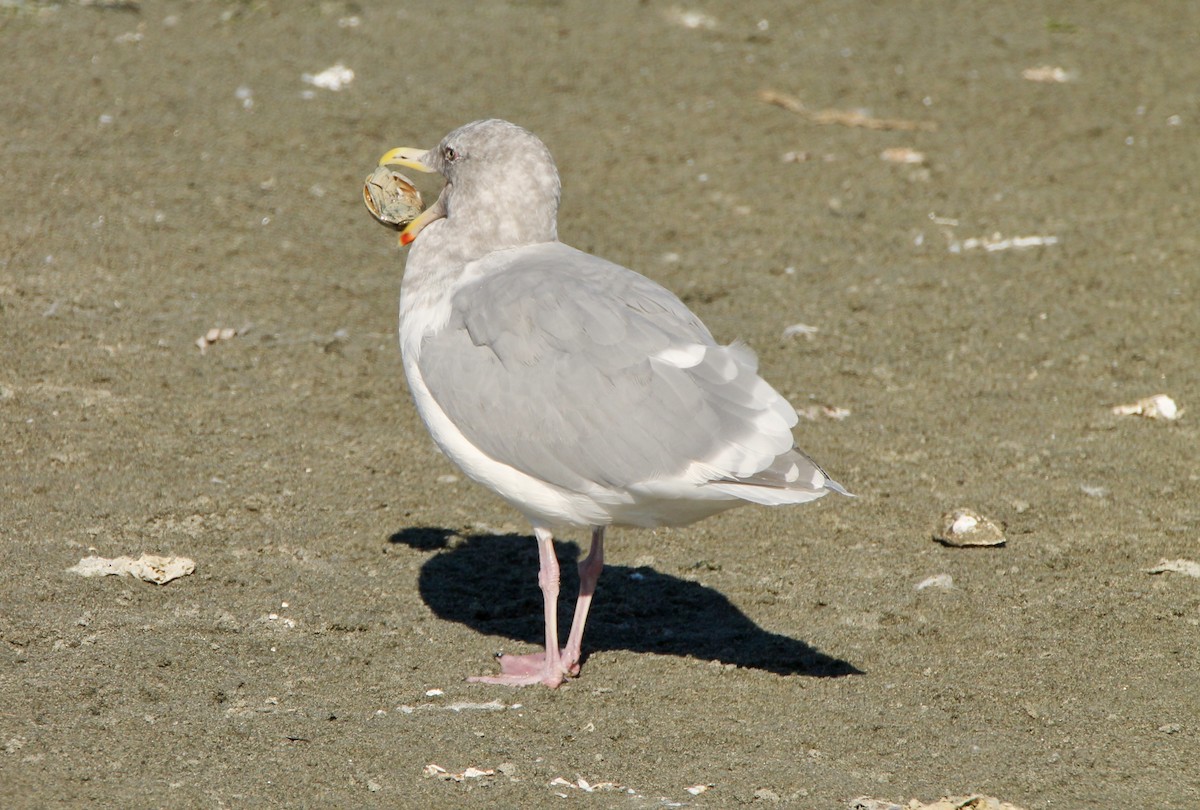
pixel 406 238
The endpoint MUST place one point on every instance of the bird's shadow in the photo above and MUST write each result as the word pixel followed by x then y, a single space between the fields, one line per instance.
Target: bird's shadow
pixel 489 583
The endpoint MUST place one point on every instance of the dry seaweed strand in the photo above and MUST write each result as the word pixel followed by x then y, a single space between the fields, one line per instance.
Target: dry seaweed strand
pixel 846 118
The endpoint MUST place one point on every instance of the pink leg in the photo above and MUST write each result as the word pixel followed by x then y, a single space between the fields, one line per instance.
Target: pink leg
pixel 544 667
pixel 552 666
pixel 589 572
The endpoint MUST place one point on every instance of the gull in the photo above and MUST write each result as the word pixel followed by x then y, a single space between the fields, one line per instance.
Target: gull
pixel 581 392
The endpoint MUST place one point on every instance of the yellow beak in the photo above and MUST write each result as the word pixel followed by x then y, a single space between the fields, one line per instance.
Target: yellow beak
pixel 406 156
pixel 410 158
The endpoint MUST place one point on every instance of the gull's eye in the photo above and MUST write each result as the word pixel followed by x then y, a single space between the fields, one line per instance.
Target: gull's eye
pixel 449 154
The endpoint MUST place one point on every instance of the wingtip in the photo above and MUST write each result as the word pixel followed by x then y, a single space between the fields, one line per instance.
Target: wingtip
pixel 834 486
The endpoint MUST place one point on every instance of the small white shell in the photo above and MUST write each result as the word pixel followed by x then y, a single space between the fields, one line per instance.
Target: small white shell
pixel 962 528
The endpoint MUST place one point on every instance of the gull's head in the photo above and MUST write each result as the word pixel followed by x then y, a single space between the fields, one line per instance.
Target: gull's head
pixel 501 184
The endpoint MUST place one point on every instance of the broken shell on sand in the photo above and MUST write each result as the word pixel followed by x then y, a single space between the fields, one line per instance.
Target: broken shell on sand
pixel 1159 406
pixel 962 528
pixel 391 198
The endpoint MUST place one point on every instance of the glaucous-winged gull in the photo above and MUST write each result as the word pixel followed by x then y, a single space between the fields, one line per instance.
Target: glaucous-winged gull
pixel 582 393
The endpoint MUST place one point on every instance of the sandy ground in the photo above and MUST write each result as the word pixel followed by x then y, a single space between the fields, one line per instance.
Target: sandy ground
pixel 164 173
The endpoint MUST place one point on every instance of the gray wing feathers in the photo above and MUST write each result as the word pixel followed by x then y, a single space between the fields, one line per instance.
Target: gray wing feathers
pixel 555 365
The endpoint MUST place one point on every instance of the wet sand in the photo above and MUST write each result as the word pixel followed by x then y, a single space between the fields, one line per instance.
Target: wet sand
pixel 164 174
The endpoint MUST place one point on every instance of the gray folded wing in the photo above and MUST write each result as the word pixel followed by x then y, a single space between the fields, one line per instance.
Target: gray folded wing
pixel 579 372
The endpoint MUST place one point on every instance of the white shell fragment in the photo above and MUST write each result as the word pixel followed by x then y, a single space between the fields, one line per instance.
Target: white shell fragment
pixel 468 706
pixel 902 154
pixel 332 78
pixel 943 582
pixel 1046 73
pixel 690 18
pixel 391 198
pixel 1191 569
pixel 963 527
pixel 470 773
pixel 458 706
pixel 963 524
pixel 1159 406
pixel 797 329
pixel 587 787
pixel 216 335
pixel 972 802
pixel 814 412
pixel 148 567
pixel 997 242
